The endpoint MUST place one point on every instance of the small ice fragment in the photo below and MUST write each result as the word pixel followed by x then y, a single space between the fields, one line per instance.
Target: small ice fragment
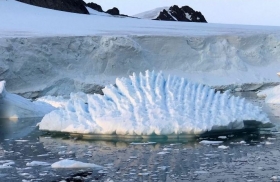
pixel 268 143
pixel 222 137
pixel 143 174
pixel 208 142
pixel 242 142
pixel 21 140
pixel 37 163
pixel 270 138
pixel 162 153
pixel 275 178
pixel 167 149
pixel 223 147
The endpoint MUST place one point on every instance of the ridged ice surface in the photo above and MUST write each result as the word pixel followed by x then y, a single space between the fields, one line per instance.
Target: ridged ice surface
pixel 152 104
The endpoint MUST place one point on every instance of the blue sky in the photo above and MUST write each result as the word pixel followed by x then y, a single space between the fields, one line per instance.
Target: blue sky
pixel 255 12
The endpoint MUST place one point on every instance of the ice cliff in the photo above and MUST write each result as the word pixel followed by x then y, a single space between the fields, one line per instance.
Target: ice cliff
pixel 152 104
pixel 36 67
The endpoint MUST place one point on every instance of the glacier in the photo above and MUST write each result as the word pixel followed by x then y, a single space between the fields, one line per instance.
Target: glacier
pixel 152 104
pixel 56 57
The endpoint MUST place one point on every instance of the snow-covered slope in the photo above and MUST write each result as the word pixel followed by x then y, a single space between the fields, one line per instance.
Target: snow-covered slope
pixel 23 20
pixel 13 106
pixel 52 52
pixel 150 104
pixel 151 14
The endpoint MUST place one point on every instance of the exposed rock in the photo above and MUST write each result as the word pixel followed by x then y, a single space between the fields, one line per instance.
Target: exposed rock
pixel 113 11
pixel 95 7
pixel 185 14
pixel 74 6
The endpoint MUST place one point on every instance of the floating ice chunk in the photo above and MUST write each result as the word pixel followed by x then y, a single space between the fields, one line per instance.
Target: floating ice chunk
pixel 37 163
pixel 67 163
pixel 272 95
pixel 152 104
pixel 166 149
pixel 223 147
pixel 208 142
pixel 6 164
pixel 163 153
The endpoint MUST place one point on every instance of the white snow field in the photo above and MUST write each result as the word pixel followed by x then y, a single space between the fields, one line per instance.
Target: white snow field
pixel 151 14
pixel 14 106
pixel 150 104
pixel 48 52
pixel 272 95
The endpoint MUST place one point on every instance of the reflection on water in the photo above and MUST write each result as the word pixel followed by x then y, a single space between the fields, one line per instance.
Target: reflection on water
pixel 16 129
pixel 167 161
pixel 242 156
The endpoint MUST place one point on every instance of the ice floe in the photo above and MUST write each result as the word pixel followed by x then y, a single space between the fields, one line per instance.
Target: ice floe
pixel 67 163
pixel 152 104
pixel 37 163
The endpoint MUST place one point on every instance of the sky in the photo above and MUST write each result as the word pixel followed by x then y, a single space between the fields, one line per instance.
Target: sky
pixel 251 12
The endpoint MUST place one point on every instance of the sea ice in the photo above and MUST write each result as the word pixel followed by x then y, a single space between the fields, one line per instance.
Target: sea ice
pixel 208 142
pixel 152 104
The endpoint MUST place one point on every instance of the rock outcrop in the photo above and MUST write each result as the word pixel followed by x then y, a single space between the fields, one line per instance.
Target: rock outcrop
pixel 113 11
pixel 185 14
pixel 94 6
pixel 74 6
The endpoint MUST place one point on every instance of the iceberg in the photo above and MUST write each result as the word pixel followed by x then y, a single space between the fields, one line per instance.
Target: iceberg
pixel 152 104
pixel 13 106
pixel 271 95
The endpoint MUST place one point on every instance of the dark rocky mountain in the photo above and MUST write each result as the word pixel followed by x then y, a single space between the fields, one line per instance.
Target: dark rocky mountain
pixel 74 6
pixel 94 6
pixel 185 14
pixel 113 11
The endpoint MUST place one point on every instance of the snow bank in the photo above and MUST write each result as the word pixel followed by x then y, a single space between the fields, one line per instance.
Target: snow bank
pixel 272 95
pixel 151 104
pixel 14 106
pixel 67 163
